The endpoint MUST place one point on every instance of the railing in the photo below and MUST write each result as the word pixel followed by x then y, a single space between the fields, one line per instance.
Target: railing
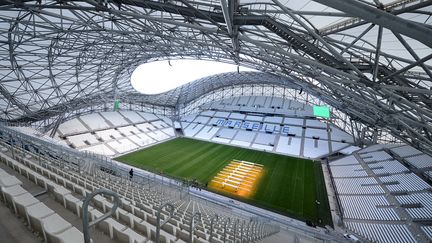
pixel 213 220
pixel 227 221
pixel 235 230
pixel 159 224
pixel 85 213
pixel 192 225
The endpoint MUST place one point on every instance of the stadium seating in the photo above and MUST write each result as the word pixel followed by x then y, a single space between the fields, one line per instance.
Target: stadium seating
pixel 348 171
pixel 101 149
pixel 115 133
pixel 115 118
pixel 420 161
pixel 134 221
pixel 405 151
pixel 379 194
pixel 38 216
pixel 82 140
pixel 289 145
pixel 383 185
pixel 314 148
pixel 428 231
pixel 201 119
pixel 418 205
pixel 367 208
pixel 386 233
pixel 226 133
pixel 207 132
pixel 128 130
pixel 275 133
pixel 131 116
pixel 148 116
pixel 358 186
pixel 94 121
pixel 145 127
pixel 190 129
pixel 72 127
pixel 244 136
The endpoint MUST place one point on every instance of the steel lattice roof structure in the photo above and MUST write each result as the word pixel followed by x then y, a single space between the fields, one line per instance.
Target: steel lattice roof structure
pixel 369 59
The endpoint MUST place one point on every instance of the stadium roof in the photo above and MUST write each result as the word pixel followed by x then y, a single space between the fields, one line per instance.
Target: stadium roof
pixel 369 59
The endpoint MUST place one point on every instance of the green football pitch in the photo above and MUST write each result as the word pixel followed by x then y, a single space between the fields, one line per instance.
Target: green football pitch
pixel 290 186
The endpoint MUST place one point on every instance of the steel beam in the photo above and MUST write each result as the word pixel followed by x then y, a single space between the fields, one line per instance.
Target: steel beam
pixel 382 18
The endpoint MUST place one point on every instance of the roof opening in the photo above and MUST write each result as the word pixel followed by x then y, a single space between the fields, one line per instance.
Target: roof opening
pixel 161 76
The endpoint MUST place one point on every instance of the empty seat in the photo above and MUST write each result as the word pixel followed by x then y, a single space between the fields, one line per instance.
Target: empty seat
pixel 108 225
pixel 71 235
pixel 52 225
pixel 60 193
pixel 12 191
pixel 128 236
pixel 35 214
pixel 8 181
pixel 21 202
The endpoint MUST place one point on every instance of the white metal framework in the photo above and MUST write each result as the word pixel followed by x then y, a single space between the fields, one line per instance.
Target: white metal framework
pixel 369 59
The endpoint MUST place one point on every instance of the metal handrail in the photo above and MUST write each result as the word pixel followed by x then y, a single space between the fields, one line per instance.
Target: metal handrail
pixel 86 223
pixel 250 229
pixel 212 221
pixel 192 225
pixel 261 231
pixel 247 230
pixel 253 230
pixel 171 209
pixel 228 220
pixel 235 229
pixel 241 231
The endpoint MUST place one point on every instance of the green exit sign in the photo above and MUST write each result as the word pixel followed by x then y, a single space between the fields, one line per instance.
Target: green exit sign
pixel 116 105
pixel 321 111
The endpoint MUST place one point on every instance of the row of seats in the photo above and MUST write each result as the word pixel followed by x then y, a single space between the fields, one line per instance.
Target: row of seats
pixel 150 132
pixel 405 151
pixel 421 161
pixel 347 160
pixel 418 205
pixel 102 121
pixel 428 174
pixel 393 174
pixel 127 131
pixel 348 171
pixel 263 141
pixel 405 183
pixel 375 156
pixel 428 231
pixel 388 167
pixel 135 221
pixel 270 124
pixel 66 191
pixel 77 184
pixel 38 216
pixel 383 233
pixel 358 186
pixel 367 208
pixel 385 173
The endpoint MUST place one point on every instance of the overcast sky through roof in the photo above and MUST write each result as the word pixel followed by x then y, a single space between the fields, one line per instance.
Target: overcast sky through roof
pixel 161 76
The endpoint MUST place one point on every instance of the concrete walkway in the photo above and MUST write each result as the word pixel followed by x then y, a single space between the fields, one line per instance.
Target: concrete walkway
pixel 12 229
